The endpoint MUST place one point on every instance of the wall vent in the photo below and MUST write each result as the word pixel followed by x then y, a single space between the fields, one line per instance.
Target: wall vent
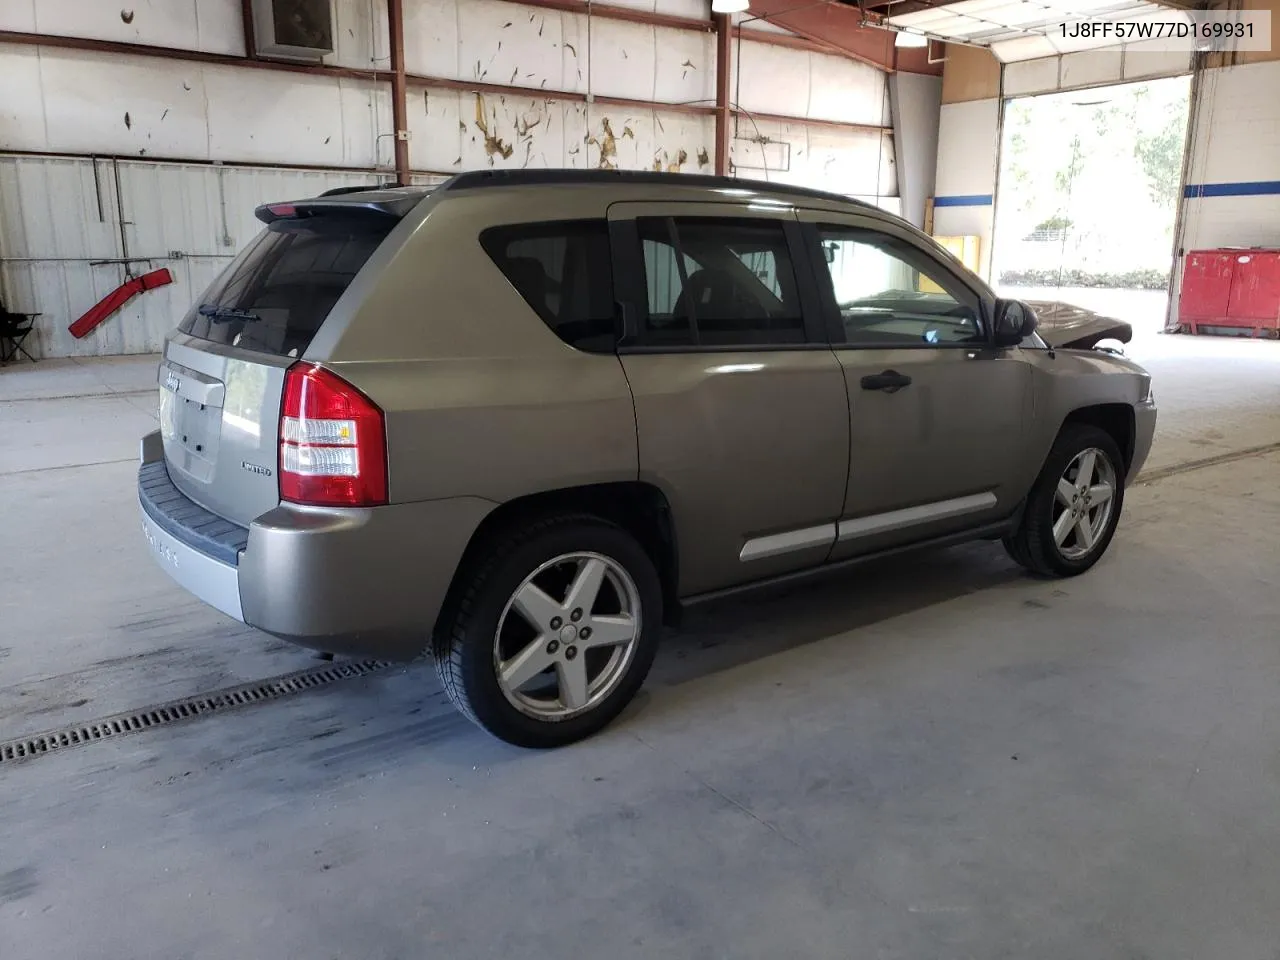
pixel 293 29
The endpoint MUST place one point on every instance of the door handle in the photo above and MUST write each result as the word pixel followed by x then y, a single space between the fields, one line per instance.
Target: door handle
pixel 890 381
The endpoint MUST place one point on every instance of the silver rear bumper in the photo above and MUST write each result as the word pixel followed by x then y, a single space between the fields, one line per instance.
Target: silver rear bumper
pixel 214 582
pixel 366 582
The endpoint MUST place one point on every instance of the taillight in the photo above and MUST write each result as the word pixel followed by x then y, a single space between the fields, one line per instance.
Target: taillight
pixel 333 449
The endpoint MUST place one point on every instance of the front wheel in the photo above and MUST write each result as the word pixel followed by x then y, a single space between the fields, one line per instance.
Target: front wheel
pixel 1074 507
pixel 554 633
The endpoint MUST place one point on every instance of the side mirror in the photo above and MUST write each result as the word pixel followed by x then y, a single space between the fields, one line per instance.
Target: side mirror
pixel 1014 322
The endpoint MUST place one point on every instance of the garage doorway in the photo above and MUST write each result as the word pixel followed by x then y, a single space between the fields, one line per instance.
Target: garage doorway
pixel 1088 197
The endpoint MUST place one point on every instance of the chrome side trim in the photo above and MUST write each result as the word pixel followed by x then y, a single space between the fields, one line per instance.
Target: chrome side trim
pixel 909 517
pixel 779 543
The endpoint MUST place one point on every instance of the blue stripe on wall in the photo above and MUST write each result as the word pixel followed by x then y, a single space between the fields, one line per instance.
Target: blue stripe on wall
pixel 971 200
pixel 1256 188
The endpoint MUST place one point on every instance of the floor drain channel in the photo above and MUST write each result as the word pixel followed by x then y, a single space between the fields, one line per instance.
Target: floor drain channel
pixel 260 691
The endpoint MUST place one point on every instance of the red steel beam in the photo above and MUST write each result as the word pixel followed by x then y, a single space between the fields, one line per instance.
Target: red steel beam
pixel 442 83
pixel 724 47
pixel 234 164
pixel 841 25
pixel 814 122
pixel 607 12
pixel 544 93
pixel 399 96
pixel 246 18
pixel 188 56
pixel 694 109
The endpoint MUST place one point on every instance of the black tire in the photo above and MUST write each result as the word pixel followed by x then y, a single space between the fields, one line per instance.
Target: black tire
pixel 1033 545
pixel 463 645
pixel 1014 546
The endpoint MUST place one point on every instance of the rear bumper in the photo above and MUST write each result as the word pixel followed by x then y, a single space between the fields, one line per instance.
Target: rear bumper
pixel 364 582
pixel 1144 429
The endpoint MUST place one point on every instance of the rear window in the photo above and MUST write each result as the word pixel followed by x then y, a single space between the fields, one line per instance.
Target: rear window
pixel 276 294
pixel 564 273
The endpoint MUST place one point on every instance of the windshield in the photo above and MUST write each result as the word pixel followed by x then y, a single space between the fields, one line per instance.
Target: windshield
pixel 276 294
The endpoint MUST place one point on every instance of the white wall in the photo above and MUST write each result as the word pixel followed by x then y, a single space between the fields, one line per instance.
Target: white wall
pixel 191 218
pixel 71 101
pixel 1235 149
pixel 61 106
pixel 212 26
pixel 1236 142
pixel 966 176
pixel 916 101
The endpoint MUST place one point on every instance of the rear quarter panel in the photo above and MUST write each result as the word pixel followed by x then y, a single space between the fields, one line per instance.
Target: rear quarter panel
pixel 481 398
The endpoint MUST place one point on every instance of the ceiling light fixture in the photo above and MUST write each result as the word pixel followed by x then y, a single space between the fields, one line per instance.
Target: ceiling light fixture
pixel 730 6
pixel 905 38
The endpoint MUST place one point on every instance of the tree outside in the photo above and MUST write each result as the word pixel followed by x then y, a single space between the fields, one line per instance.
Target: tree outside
pixel 1089 186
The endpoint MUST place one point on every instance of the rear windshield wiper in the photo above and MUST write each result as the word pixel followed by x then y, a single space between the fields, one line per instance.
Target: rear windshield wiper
pixel 226 314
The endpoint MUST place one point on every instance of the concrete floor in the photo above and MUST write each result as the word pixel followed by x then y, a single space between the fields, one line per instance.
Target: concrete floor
pixel 933 757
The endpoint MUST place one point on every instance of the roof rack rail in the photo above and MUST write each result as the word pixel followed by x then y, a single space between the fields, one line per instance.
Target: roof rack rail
pixel 496 178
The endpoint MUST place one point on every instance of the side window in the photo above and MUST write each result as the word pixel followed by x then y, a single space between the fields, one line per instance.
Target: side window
pixel 662 275
pixel 564 273
pixel 714 282
pixel 891 293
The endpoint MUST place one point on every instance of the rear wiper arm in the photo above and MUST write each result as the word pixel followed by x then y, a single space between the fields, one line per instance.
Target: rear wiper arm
pixel 226 314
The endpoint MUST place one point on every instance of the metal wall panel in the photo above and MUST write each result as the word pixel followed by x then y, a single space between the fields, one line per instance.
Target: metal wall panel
pixel 208 25
pixel 64 232
pixel 60 251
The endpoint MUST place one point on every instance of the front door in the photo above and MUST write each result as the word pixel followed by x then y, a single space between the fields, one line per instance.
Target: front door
pixel 741 409
pixel 936 411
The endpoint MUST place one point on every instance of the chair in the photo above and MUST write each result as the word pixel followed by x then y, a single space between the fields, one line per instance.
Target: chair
pixel 14 328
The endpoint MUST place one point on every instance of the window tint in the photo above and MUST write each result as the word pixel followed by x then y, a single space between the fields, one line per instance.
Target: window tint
pixel 662 276
pixel 889 292
pixel 276 294
pixel 564 273
pixel 719 283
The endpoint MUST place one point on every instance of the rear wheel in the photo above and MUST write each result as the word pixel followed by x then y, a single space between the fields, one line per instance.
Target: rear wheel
pixel 1074 508
pixel 554 632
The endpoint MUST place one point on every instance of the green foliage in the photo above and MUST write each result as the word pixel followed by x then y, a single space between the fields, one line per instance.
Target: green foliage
pixel 1129 280
pixel 1161 157
pixel 1056 222
pixel 1085 134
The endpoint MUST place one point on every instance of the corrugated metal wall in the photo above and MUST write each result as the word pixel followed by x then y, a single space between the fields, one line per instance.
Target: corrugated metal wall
pixel 62 239
pixel 61 233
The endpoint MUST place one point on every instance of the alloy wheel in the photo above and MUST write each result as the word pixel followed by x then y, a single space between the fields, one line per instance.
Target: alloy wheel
pixel 1083 503
pixel 567 636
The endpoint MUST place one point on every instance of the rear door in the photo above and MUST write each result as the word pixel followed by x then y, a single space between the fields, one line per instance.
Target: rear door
pixel 222 376
pixel 740 403
pixel 936 413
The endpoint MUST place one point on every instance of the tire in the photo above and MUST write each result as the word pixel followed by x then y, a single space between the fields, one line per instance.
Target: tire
pixel 1034 545
pixel 499 669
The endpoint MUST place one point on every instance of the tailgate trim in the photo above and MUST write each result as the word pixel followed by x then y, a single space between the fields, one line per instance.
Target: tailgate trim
pixel 185 520
pixel 191 384
pixel 214 582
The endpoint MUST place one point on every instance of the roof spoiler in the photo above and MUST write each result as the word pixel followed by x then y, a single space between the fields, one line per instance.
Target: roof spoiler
pixel 376 204
pixel 364 188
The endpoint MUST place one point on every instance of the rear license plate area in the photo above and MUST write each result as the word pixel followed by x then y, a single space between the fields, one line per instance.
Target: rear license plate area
pixel 190 425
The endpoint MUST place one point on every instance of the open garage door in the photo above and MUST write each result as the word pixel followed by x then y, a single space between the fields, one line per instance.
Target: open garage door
pixel 1087 198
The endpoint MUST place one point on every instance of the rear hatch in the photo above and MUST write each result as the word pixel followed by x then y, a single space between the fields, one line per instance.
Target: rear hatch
pixel 223 373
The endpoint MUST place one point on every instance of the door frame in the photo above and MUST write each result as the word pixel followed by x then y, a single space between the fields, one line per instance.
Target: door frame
pixel 629 273
pixel 811 220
